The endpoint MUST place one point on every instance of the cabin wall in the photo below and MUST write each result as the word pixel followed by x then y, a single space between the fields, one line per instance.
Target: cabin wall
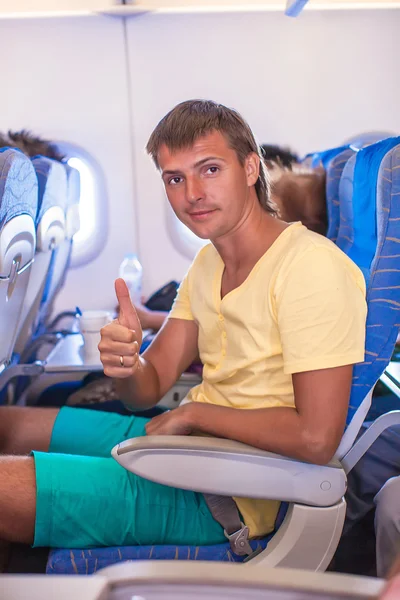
pixel 309 82
pixel 66 79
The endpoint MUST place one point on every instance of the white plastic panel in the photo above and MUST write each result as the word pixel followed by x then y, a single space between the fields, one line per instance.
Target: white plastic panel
pixel 17 242
pixel 43 587
pixel 17 238
pixel 165 580
pixel 51 230
pixel 40 6
pixel 32 299
pixel 151 580
pixel 229 468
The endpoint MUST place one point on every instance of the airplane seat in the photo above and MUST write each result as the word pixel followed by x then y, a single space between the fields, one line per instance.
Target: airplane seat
pixel 50 233
pixel 368 137
pixel 357 234
pixel 334 172
pixel 18 207
pixel 332 161
pixel 313 523
pixel 62 254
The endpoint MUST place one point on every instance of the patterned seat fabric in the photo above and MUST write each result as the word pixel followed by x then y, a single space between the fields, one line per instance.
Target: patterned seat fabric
pixel 18 186
pixel 18 207
pixel 369 234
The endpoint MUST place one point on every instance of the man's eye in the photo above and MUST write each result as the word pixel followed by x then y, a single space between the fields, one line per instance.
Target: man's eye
pixel 174 180
pixel 212 170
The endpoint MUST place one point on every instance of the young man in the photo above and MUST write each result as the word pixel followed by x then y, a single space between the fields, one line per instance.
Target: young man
pixel 277 315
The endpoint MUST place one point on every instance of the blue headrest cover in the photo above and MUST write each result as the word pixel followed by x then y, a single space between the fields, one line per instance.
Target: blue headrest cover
pixel 52 179
pixel 18 186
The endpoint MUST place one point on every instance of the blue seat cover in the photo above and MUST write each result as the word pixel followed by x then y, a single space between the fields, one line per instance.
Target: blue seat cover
pixel 334 171
pixel 375 243
pixel 85 562
pixel 52 180
pixel 18 186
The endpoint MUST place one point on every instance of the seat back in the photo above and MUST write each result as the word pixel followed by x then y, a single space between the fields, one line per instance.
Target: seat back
pixel 62 254
pixel 368 137
pixel 334 172
pixel 50 233
pixel 74 194
pixel 369 234
pixel 332 161
pixel 18 207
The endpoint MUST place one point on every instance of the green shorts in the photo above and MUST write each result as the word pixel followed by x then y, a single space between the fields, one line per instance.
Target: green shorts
pixel 84 498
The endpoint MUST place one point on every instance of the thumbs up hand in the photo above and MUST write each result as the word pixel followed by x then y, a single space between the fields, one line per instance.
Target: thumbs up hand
pixel 121 340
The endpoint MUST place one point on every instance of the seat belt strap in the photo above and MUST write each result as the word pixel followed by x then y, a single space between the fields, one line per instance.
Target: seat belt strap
pixel 225 512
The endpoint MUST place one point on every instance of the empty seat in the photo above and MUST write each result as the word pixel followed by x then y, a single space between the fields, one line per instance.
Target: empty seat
pixel 334 172
pixel 50 233
pixel 18 207
pixel 368 137
pixel 62 254
pixel 333 161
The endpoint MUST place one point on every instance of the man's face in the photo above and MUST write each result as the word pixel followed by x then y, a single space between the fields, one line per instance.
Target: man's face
pixel 206 185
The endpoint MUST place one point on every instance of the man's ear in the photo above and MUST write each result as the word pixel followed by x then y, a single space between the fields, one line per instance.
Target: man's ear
pixel 252 167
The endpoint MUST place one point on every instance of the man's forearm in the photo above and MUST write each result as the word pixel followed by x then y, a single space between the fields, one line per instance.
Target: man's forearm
pixel 142 389
pixel 280 430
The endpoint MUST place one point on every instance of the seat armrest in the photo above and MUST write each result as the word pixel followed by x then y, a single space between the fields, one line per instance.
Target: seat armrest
pixel 228 468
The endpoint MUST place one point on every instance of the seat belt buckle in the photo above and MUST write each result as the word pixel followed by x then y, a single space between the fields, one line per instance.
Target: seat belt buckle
pixel 239 541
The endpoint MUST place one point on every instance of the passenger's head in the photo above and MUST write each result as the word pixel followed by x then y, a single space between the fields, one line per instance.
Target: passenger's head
pixel 30 144
pixel 201 130
pixel 277 155
pixel 300 196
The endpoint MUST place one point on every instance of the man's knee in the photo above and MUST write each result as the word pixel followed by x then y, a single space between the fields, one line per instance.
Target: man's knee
pixel 387 503
pixel 24 429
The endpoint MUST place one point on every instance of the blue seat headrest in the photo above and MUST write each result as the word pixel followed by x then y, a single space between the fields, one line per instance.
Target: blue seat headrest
pixel 52 180
pixel 18 186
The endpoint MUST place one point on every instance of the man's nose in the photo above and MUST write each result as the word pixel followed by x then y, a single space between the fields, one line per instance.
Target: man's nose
pixel 194 191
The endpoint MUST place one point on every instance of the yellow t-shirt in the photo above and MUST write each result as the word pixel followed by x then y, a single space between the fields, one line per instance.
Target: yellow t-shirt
pixel 301 308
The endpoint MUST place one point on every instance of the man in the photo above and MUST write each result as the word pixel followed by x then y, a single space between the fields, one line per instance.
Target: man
pixel 277 315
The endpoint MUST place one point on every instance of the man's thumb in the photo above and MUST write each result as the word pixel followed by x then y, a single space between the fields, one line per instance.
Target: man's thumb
pixel 127 313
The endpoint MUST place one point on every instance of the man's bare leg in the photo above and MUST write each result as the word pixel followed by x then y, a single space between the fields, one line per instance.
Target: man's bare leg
pixel 24 429
pixel 17 499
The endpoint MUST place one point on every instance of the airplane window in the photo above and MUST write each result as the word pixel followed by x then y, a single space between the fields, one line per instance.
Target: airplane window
pixel 183 239
pixel 91 236
pixel 87 206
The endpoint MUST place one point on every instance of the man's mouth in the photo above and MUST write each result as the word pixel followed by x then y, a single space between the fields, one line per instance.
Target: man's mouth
pixel 201 215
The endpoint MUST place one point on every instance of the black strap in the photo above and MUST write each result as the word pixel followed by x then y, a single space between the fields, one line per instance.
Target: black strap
pixel 225 512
